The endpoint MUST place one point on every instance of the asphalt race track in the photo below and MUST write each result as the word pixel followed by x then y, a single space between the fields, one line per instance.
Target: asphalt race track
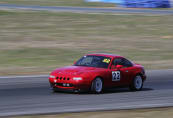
pixel 31 95
pixel 84 9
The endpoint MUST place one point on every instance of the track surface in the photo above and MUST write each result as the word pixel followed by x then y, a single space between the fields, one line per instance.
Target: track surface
pixel 85 9
pixel 31 95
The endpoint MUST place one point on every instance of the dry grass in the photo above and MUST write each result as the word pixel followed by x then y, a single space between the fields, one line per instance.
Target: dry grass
pixel 141 113
pixel 57 3
pixel 37 42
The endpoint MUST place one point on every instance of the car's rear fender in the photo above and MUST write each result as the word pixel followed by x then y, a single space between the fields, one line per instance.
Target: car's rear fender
pixel 141 74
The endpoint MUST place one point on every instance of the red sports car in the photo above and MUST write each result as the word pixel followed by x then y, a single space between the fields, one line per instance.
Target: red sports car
pixel 95 72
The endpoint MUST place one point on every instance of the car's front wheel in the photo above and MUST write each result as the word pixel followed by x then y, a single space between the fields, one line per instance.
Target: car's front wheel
pixel 54 90
pixel 97 85
pixel 137 83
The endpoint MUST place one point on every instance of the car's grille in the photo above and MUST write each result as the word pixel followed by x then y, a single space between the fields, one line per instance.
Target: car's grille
pixel 63 78
pixel 64 84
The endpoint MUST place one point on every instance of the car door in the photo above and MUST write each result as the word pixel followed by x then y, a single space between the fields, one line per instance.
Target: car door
pixel 120 76
pixel 127 71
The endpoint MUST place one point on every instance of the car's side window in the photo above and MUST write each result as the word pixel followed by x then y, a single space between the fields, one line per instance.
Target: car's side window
pixel 122 61
pixel 127 63
pixel 118 61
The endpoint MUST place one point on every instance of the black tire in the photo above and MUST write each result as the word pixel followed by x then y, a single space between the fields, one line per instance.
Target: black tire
pixel 137 83
pixel 54 90
pixel 97 85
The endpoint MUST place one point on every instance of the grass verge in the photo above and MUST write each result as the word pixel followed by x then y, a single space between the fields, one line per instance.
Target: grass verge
pixel 140 113
pixel 36 42
pixel 81 3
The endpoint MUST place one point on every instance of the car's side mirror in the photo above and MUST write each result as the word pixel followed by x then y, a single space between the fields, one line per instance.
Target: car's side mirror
pixel 119 66
pixel 116 67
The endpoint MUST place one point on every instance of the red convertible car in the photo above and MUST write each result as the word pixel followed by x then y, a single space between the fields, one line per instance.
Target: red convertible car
pixel 95 72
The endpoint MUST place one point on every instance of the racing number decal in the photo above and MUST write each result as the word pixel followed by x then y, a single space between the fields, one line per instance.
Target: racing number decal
pixel 116 76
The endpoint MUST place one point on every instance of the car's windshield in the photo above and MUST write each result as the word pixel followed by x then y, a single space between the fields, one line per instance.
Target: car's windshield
pixel 94 61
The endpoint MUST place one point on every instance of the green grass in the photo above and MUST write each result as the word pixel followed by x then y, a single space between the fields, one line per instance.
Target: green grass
pixel 38 42
pixel 57 3
pixel 140 113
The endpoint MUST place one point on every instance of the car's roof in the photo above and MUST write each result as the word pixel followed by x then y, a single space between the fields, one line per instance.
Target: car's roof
pixel 105 54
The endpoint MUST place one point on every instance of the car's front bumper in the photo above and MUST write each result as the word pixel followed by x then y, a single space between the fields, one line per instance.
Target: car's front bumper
pixel 78 87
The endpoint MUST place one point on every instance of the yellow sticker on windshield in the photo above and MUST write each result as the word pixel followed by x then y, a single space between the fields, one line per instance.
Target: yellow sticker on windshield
pixel 106 60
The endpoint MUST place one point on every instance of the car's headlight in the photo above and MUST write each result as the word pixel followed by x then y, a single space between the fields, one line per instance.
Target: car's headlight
pixel 52 76
pixel 77 78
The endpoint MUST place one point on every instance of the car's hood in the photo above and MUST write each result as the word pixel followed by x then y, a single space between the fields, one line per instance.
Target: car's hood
pixel 73 70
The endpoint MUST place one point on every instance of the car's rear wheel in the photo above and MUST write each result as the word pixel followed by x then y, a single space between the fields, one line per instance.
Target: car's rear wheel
pixel 137 84
pixel 97 85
